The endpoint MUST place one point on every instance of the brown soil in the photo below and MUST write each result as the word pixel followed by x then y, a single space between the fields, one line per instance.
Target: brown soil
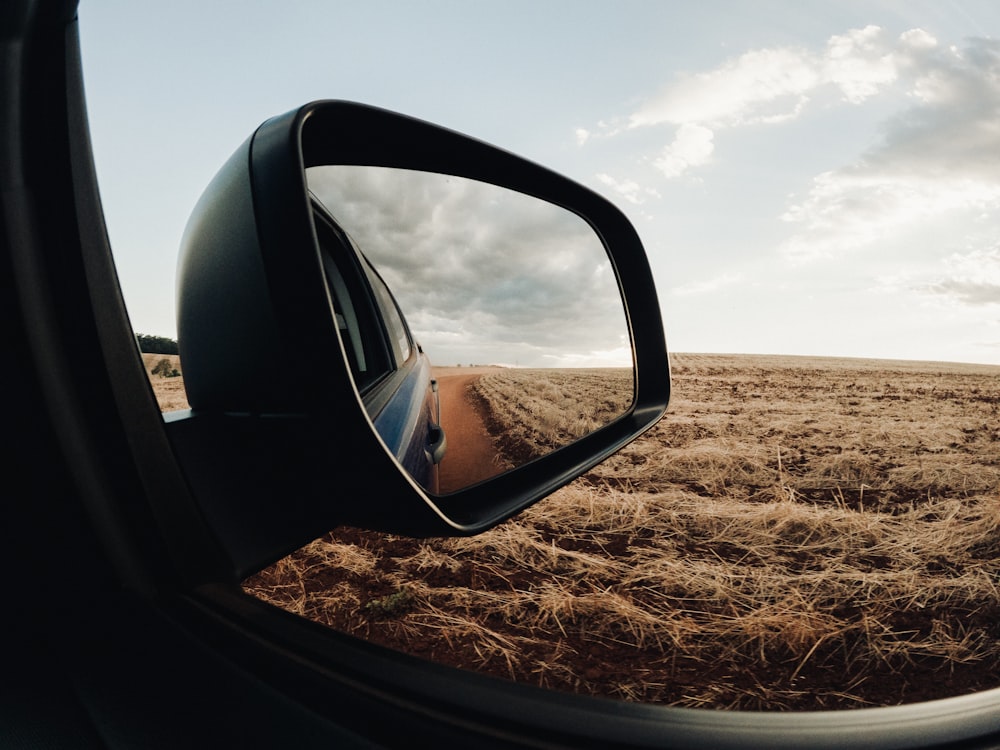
pixel 574 661
pixel 472 456
pixel 797 534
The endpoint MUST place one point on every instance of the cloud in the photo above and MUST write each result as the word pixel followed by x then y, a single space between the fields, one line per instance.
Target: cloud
pixel 630 190
pixel 692 146
pixel 936 158
pixel 969 292
pixel 856 207
pixel 972 279
pixel 859 63
pixel 482 274
pixel 760 83
pixel 770 86
pixel 582 136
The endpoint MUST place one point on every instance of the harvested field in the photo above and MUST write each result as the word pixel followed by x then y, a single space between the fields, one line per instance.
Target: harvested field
pixel 795 534
pixel 532 412
pixel 497 418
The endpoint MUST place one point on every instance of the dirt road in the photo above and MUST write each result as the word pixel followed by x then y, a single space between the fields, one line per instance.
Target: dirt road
pixel 471 454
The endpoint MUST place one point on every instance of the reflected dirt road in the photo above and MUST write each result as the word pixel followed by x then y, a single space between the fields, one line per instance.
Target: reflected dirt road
pixel 471 455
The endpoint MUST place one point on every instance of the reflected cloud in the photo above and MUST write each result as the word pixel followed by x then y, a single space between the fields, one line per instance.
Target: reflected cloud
pixel 484 275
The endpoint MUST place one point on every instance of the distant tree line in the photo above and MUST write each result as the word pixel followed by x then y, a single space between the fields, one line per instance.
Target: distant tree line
pixel 156 344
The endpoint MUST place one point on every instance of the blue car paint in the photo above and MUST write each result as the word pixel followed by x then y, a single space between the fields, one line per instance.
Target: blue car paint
pixel 404 423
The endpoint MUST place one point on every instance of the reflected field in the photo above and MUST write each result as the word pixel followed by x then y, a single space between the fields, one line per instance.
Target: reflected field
pixel 498 418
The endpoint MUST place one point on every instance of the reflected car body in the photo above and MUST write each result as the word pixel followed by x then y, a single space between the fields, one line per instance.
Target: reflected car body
pixel 391 371
pixel 408 422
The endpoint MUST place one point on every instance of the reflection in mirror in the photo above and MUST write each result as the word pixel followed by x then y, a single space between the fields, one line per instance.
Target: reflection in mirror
pixel 512 301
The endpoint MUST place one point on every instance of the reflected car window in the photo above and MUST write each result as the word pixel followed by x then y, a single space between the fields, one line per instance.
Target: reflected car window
pixel 356 319
pixel 399 337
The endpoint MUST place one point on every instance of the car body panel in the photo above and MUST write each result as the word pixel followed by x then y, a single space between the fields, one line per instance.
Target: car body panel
pixel 408 420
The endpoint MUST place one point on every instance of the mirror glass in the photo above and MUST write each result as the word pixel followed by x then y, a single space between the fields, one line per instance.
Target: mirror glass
pixel 510 300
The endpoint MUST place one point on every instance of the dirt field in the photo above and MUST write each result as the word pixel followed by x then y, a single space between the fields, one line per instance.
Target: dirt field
pixel 483 413
pixel 472 455
pixel 532 412
pixel 796 534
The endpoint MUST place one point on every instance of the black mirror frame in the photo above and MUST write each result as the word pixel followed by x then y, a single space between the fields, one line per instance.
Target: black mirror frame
pixel 250 280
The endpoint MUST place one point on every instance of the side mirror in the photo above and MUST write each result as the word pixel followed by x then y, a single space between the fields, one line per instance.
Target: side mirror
pixel 513 301
pixel 336 281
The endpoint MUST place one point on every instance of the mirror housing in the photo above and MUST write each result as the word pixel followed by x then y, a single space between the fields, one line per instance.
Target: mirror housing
pixel 278 446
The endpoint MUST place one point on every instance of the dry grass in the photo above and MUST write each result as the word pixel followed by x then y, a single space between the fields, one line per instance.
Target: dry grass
pixel 537 410
pixel 795 534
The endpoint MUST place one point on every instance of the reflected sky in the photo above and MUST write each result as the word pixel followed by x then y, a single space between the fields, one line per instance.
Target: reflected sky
pixel 483 274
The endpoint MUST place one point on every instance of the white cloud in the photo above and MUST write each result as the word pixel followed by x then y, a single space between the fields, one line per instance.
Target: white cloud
pixel 850 209
pixel 859 63
pixel 630 190
pixel 620 356
pixel 771 86
pixel 692 147
pixel 971 279
pixel 759 83
pixel 917 40
pixel 936 159
pixel 582 136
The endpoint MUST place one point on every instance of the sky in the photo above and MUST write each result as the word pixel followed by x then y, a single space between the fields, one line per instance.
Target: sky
pixel 484 275
pixel 807 178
